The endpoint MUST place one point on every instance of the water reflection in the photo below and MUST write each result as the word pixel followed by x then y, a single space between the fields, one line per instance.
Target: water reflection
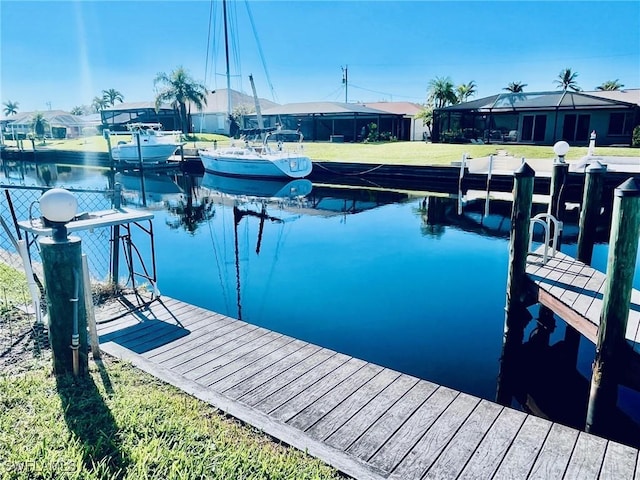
pixel 396 277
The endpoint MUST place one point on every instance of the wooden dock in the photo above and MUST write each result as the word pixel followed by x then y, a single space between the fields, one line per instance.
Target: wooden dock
pixel 367 421
pixel 574 291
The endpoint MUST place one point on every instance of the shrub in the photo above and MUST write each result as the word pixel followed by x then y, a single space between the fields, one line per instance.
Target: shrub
pixel 635 140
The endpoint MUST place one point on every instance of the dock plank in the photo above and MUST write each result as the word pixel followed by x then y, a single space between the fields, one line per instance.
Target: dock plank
pixel 400 444
pixel 520 458
pixel 581 464
pixel 556 451
pixel 333 398
pixel 487 457
pixel 366 405
pixel 388 424
pixel 619 462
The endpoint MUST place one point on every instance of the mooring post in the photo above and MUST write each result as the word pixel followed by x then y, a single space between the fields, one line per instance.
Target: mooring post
pixel 612 345
pixel 515 311
pixel 590 211
pixel 589 214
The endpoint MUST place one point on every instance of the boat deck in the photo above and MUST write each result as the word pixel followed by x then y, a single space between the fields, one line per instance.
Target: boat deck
pixel 367 421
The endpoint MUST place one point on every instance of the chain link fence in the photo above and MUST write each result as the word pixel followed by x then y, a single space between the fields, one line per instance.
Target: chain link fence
pixel 19 204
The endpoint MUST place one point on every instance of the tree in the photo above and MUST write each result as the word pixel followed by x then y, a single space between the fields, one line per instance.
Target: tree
pixel 515 87
pixel 10 108
pixel 39 124
pixel 98 104
pixel 465 90
pixel 111 96
pixel 610 85
pixel 567 80
pixel 77 110
pixel 441 92
pixel 426 114
pixel 179 88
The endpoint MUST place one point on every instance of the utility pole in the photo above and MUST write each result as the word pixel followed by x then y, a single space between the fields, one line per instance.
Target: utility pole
pixel 345 80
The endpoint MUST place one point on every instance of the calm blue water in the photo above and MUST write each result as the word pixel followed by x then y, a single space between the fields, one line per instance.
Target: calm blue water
pixel 419 292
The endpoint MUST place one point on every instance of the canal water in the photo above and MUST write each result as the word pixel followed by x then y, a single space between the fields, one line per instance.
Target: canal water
pixel 403 279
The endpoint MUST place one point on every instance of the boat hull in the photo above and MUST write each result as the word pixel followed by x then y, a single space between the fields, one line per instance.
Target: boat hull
pixel 247 165
pixel 151 154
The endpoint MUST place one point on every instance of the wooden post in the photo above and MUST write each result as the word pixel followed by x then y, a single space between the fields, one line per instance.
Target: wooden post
pixel 589 214
pixel 612 346
pixel 62 264
pixel 515 310
pixel 590 211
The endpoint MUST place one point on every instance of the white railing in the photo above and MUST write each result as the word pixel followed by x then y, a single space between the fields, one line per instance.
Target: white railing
pixel 546 220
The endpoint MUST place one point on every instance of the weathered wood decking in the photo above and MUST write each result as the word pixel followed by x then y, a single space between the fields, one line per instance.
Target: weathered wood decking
pixel 574 291
pixel 366 420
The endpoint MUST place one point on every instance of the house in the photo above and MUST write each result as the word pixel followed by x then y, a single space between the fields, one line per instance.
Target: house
pixel 117 117
pixel 334 121
pixel 60 124
pixel 214 117
pixel 541 118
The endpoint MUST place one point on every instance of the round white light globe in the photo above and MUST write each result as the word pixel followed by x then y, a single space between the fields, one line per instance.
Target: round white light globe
pixel 561 148
pixel 58 205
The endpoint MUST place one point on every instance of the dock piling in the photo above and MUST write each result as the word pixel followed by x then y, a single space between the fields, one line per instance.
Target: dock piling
pixel 515 310
pixel 612 346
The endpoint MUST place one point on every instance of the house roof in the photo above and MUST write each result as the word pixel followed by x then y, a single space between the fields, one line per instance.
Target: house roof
pixel 630 95
pixel 543 101
pixel 332 108
pixel 399 108
pixel 137 106
pixel 217 101
pixel 55 118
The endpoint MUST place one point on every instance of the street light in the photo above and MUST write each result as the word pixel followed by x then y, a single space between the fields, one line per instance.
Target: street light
pixel 561 148
pixel 58 207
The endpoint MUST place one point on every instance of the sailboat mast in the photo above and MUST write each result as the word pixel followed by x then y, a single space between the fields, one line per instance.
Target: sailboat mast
pixel 255 99
pixel 226 53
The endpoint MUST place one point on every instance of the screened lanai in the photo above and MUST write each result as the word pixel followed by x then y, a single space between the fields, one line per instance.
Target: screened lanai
pixel 540 118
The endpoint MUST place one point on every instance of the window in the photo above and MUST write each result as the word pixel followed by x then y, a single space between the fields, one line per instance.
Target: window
pixel 620 123
pixel 576 127
pixel 534 128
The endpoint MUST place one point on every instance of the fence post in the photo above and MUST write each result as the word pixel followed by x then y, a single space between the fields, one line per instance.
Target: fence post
pixel 612 345
pixel 115 237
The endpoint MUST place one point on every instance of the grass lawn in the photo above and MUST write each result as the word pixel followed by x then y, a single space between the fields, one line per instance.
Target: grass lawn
pixel 401 153
pixel 120 423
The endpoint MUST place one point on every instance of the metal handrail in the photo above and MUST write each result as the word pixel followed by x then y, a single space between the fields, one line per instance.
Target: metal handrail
pixel 546 220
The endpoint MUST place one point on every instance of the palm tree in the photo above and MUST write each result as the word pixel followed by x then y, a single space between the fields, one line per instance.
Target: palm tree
pixel 98 104
pixel 111 96
pixel 179 88
pixel 10 108
pixel 39 124
pixel 515 87
pixel 77 111
pixel 441 92
pixel 465 91
pixel 567 80
pixel 610 85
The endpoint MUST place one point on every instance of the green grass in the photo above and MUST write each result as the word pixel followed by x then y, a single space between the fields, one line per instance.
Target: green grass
pixel 120 423
pixel 13 286
pixel 400 153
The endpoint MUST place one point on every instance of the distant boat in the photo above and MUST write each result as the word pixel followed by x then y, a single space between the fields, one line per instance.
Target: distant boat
pixel 259 159
pixel 155 145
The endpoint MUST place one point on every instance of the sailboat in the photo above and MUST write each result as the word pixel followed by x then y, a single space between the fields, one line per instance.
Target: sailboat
pixel 260 152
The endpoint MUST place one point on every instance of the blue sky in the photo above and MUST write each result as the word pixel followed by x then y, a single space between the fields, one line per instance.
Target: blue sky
pixel 67 52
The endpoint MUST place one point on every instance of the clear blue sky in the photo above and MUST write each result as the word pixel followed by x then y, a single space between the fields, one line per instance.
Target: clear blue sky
pixel 67 52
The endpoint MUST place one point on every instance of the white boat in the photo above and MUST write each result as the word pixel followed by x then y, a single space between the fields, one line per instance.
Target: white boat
pixel 149 141
pixel 259 159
